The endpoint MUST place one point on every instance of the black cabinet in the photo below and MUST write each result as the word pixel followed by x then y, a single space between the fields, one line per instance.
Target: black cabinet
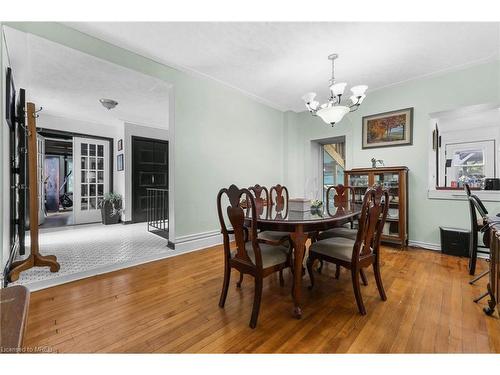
pixel 455 241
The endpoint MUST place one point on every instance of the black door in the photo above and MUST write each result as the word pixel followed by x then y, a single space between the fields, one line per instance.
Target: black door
pixel 149 170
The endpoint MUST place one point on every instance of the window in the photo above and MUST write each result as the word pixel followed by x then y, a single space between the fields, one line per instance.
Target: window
pixel 468 162
pixel 333 165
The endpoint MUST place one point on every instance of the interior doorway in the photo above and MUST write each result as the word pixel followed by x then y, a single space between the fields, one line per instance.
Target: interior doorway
pixel 57 182
pixel 149 171
pixel 333 163
pixel 74 174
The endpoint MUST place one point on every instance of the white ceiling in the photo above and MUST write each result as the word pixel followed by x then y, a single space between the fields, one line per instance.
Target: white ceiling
pixel 68 83
pixel 470 118
pixel 279 62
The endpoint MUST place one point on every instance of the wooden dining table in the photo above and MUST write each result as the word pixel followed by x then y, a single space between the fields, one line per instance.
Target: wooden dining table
pixel 301 225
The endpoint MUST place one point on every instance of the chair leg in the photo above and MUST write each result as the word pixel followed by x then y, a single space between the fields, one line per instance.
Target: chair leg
pixel 238 284
pixel 357 291
pixel 225 284
pixel 282 280
pixel 363 277
pixel 337 271
pixel 479 277
pixel 472 260
pixel 378 279
pixel 476 300
pixel 320 268
pixel 256 301
pixel 309 265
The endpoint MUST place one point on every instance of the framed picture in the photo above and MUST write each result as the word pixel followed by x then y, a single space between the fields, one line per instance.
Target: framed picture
pixel 388 129
pixel 119 162
pixel 120 144
pixel 10 99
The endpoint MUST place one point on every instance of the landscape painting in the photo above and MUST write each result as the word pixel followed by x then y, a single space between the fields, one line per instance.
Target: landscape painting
pixel 388 129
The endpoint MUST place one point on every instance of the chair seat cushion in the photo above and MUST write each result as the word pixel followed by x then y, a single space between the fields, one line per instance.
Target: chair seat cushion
pixel 335 247
pixel 270 235
pixel 271 254
pixel 339 232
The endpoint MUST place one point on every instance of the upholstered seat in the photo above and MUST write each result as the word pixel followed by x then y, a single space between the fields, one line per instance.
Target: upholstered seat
pixel 337 247
pixel 270 235
pixel 338 232
pixel 271 255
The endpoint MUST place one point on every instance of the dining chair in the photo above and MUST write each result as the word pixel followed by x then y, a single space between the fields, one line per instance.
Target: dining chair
pixel 476 225
pixel 251 256
pixel 262 206
pixel 344 195
pixel 278 208
pixel 360 253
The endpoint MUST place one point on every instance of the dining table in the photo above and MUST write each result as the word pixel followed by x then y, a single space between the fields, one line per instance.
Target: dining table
pixel 302 225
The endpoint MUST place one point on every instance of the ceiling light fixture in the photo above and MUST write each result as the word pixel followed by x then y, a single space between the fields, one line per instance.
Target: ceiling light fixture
pixel 108 103
pixel 333 111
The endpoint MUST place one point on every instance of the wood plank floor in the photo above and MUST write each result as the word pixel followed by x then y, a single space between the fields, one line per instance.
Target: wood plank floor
pixel 171 306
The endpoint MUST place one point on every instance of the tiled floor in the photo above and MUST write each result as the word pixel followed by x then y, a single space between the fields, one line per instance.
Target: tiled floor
pixel 58 219
pixel 88 250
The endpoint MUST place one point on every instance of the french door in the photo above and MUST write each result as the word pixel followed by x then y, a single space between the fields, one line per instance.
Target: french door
pixel 91 168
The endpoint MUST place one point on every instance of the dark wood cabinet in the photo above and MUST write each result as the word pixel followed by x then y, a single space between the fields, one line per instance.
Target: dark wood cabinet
pixel 395 179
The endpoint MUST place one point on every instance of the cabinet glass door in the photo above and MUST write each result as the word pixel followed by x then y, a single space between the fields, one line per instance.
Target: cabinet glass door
pixel 360 183
pixel 390 181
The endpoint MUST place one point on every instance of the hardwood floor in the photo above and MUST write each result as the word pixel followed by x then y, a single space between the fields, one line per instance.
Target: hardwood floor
pixel 171 306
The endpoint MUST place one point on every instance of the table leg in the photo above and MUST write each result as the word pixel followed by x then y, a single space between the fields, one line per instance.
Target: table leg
pixel 299 239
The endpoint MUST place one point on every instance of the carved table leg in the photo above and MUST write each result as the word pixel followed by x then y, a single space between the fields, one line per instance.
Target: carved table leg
pixel 299 239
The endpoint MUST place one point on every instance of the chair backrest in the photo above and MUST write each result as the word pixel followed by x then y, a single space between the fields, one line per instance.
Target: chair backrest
pixel 236 216
pixel 371 222
pixel 261 195
pixel 278 197
pixel 475 206
pixel 343 195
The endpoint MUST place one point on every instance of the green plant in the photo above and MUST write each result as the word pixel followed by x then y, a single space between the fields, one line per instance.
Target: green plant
pixel 115 200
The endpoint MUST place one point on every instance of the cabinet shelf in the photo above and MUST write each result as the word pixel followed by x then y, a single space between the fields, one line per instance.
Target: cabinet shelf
pixel 395 180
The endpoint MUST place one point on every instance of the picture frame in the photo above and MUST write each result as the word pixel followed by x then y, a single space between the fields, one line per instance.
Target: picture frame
pixel 120 144
pixel 388 129
pixel 119 162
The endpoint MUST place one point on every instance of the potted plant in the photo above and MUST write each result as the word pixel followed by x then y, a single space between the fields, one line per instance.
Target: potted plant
pixel 111 208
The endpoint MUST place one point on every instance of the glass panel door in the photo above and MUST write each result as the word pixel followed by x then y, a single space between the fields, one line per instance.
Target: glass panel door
pixel 360 183
pixel 390 182
pixel 333 166
pixel 91 175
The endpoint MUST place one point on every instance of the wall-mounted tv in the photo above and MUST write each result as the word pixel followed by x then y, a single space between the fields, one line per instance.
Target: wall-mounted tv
pixel 10 99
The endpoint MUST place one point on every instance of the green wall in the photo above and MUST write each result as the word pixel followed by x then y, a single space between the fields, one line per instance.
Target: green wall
pixel 473 85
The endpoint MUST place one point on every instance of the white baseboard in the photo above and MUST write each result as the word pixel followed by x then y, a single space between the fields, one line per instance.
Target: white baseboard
pixel 198 241
pixel 436 247
pixel 425 245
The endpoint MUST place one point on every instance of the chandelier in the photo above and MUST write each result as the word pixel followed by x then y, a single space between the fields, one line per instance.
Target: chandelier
pixel 334 110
